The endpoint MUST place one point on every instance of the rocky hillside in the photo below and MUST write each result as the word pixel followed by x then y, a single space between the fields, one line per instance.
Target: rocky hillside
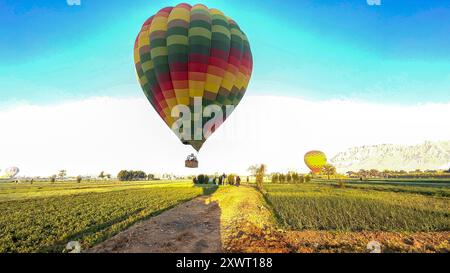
pixel 428 155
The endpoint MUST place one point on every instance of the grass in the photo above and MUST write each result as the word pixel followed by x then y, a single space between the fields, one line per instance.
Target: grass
pixel 425 188
pixel 326 206
pixel 246 221
pixel 12 191
pixel 242 203
pixel 43 217
pixel 418 180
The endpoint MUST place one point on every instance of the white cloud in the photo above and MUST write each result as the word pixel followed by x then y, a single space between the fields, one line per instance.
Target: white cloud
pixel 110 134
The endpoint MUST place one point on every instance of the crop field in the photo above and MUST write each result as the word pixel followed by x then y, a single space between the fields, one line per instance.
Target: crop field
pixel 43 217
pixel 431 188
pixel 335 216
pixel 361 206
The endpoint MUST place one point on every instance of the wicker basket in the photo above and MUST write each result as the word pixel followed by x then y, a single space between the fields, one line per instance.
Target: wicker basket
pixel 191 164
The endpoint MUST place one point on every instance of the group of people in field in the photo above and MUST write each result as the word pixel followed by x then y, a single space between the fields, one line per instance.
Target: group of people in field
pixel 223 180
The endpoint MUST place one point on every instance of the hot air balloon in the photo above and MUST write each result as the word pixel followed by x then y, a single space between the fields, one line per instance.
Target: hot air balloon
pixel 189 58
pixel 9 173
pixel 315 160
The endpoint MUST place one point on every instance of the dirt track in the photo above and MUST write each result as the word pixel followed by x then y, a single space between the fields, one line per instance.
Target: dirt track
pixel 233 219
pixel 193 226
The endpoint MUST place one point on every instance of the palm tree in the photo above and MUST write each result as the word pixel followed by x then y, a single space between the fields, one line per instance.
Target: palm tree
pixel 362 174
pixel 386 173
pixel 253 169
pixel 62 174
pixel 260 173
pixel 328 170
pixel 374 173
pixel 275 178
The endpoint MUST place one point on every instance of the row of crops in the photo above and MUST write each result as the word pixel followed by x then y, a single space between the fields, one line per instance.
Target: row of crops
pixel 45 223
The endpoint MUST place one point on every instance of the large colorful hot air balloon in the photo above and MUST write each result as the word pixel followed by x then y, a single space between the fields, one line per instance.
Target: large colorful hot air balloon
pixel 315 160
pixel 186 54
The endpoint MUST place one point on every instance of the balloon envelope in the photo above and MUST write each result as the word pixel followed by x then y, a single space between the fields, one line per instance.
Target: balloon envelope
pixel 186 52
pixel 9 172
pixel 315 160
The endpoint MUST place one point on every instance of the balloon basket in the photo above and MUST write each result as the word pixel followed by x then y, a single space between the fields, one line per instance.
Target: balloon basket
pixel 191 164
pixel 191 161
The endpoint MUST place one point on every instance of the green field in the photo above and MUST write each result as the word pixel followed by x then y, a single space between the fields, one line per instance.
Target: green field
pixel 431 188
pixel 43 217
pixel 361 206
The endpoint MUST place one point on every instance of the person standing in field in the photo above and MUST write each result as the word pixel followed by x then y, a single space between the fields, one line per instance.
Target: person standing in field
pixel 222 179
pixel 238 181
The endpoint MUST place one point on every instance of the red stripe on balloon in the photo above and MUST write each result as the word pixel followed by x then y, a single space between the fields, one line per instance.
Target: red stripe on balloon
pixel 198 58
pixel 178 67
pixel 219 53
pixel 179 76
pixel 218 62
pixel 198 67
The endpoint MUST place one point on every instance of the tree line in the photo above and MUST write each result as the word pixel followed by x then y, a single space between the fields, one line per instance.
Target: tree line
pixel 205 179
pixel 126 175
pixel 290 177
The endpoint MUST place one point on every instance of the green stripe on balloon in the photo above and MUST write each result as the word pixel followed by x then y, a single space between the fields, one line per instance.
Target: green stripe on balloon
pixel 236 55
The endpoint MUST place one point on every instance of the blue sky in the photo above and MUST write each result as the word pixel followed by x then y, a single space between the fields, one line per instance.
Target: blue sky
pixel 396 53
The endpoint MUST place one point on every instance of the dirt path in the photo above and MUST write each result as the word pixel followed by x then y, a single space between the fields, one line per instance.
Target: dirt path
pixel 193 226
pixel 232 219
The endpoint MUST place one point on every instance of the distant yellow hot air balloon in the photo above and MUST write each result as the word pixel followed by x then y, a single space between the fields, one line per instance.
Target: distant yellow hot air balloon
pixel 315 160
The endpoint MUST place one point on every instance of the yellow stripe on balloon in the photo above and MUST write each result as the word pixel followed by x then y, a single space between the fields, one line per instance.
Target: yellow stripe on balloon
pixel 177 39
pixel 147 66
pixel 137 58
pixel 143 80
pixel 215 12
pixel 200 7
pixel 196 88
pixel 213 83
pixel 199 31
pixel 159 23
pixel 179 13
pixel 182 95
pixel 227 81
pixel 240 79
pixel 221 29
pixel 159 51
